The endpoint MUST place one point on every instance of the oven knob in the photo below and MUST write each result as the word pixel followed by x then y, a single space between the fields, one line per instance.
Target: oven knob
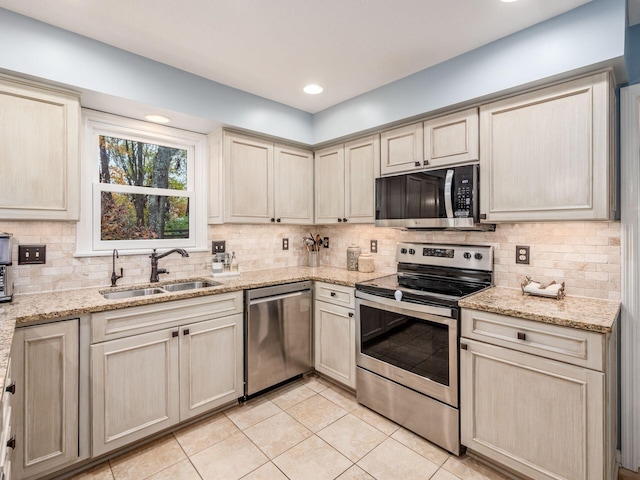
pixel 398 295
pixel 412 251
pixel 403 250
pixel 478 256
pixel 467 255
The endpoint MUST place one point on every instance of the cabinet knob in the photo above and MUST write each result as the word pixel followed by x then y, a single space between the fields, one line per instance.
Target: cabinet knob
pixel 417 164
pixel 351 314
pixel 483 216
pixel 278 220
pixel 12 442
pixel 464 346
pixel 185 331
pixel 333 294
pixel 273 219
pixel 11 388
pixel 175 334
pixel 340 220
pixel 344 220
pixel 425 163
pixel 522 336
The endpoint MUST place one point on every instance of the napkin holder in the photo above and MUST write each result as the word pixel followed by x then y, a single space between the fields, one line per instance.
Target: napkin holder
pixel 549 290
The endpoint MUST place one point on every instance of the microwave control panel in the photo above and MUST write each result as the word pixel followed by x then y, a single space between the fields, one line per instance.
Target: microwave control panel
pixel 463 192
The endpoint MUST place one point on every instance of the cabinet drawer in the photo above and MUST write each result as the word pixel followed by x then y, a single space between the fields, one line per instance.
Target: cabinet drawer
pixel 574 346
pixel 336 294
pixel 132 321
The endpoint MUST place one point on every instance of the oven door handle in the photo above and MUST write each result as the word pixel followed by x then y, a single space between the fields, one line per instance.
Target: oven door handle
pixel 406 306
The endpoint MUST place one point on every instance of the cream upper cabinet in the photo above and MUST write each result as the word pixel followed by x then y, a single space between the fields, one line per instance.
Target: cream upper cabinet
pixel 39 152
pixel 344 181
pixel 263 182
pixel 248 165
pixel 45 408
pixel 401 149
pixel 293 185
pixel 547 154
pixel 215 184
pixel 452 139
pixel 538 398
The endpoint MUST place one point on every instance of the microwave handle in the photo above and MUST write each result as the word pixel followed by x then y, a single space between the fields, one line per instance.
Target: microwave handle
pixel 448 199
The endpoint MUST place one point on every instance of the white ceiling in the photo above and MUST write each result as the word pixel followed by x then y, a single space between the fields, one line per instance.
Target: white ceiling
pixel 273 48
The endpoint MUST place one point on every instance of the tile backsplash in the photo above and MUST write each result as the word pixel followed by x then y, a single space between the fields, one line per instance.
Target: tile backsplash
pixel 585 255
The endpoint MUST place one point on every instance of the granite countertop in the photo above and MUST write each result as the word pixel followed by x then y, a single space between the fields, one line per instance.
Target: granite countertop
pixel 592 314
pixel 36 308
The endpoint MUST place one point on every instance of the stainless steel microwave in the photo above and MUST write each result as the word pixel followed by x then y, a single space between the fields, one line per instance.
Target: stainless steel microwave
pixel 434 199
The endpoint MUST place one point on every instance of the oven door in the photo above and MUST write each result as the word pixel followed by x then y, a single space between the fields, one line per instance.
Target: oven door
pixel 411 344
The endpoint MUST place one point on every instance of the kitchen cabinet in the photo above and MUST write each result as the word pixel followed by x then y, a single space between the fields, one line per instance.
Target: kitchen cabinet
pixel 537 398
pixel 402 149
pixel 7 437
pixel 45 407
pixel 265 183
pixel 188 360
pixel 452 139
pixel 334 327
pixel 39 148
pixel 548 154
pixel 345 181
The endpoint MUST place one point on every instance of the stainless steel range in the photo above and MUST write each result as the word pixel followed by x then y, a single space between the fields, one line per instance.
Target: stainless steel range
pixel 408 334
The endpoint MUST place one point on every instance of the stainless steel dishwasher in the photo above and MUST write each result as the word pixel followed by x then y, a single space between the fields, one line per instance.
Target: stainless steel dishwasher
pixel 278 332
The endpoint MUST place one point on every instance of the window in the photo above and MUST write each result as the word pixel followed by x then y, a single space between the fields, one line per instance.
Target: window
pixel 143 186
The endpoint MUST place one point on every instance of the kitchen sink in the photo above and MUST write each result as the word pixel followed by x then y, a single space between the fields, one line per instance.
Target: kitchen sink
pixel 178 287
pixel 137 292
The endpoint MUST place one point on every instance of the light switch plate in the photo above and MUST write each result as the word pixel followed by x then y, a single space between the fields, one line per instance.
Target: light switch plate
pixel 374 246
pixel 285 244
pixel 32 254
pixel 218 246
pixel 325 242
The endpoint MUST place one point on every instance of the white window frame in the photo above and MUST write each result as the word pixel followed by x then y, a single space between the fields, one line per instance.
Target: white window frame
pixel 88 231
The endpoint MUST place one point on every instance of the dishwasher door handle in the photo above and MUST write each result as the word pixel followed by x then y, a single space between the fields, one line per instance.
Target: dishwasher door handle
pixel 278 297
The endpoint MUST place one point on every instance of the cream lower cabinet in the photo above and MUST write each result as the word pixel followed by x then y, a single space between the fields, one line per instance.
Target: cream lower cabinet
pixel 345 181
pixel 335 332
pixel 148 382
pixel 548 154
pixel 536 416
pixel 45 407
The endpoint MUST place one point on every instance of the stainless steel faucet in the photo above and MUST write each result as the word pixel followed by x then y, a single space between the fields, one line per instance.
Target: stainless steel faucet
pixel 114 275
pixel 155 271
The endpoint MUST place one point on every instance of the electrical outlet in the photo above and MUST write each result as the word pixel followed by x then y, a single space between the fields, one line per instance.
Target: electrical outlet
pixel 218 246
pixel 32 254
pixel 522 254
pixel 285 244
pixel 374 246
pixel 325 242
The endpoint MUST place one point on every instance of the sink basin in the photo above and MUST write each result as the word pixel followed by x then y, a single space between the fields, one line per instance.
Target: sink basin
pixel 178 287
pixel 137 292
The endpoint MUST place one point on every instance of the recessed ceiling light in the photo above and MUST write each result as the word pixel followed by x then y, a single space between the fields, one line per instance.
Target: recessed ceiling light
pixel 313 89
pixel 157 118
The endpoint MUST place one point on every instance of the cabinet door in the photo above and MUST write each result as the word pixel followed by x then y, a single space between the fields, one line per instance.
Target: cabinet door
pixel 248 166
pixel 452 139
pixel 215 179
pixel 211 359
pixel 362 166
pixel 401 149
pixel 45 369
pixel 540 417
pixel 329 185
pixel 335 343
pixel 545 155
pixel 134 388
pixel 293 185
pixel 39 148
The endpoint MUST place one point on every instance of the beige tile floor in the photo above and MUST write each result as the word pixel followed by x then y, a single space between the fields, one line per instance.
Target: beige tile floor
pixel 308 430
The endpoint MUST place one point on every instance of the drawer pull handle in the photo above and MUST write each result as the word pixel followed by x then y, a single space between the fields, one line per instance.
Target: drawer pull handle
pixel 185 331
pixel 522 336
pixel 333 294
pixel 12 442
pixel 175 334
pixel 464 346
pixel 11 388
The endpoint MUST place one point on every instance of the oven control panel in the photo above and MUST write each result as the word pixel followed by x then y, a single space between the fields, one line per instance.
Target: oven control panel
pixel 479 257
